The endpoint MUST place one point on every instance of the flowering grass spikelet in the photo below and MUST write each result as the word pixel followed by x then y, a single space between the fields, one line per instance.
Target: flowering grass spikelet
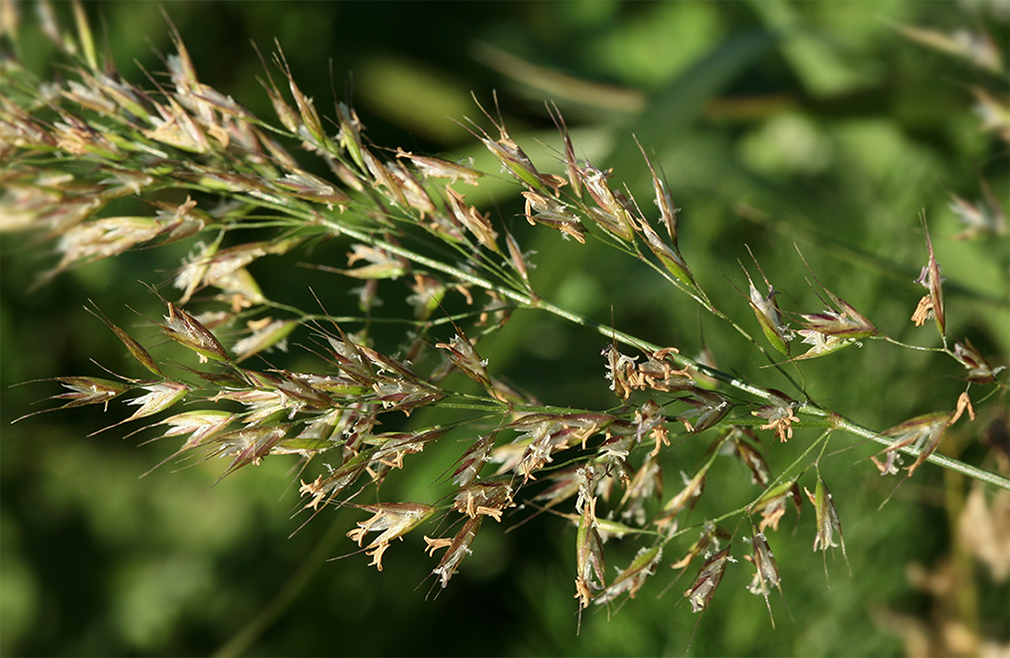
pixel 471 461
pixel 184 329
pixel 687 497
pixel 766 571
pixel 200 425
pixel 393 520
pixel 767 312
pixel 136 349
pixel 922 433
pixel 589 556
pixel 462 353
pixel 780 414
pixel 931 305
pixel 827 521
pixel 266 333
pixel 631 579
pixel 751 456
pixel 711 536
pixel 83 391
pixel 159 396
pixel 773 502
pixel 707 581
pixel 457 548
pixel 979 370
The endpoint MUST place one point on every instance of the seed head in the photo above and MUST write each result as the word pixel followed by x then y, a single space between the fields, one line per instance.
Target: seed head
pixel 513 159
pixel 551 212
pixel 159 397
pixel 303 185
pixel 687 497
pixel 708 407
pixel 668 255
pixel 136 349
pixel 200 425
pixel 711 536
pixel 844 323
pixel 381 264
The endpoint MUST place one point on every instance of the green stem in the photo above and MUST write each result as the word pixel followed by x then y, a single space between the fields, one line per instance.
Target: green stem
pixel 243 640
pixel 532 301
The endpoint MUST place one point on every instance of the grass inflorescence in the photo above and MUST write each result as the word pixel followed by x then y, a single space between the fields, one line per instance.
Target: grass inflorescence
pixel 73 148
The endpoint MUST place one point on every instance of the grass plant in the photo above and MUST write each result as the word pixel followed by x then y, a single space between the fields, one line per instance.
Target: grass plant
pixel 359 396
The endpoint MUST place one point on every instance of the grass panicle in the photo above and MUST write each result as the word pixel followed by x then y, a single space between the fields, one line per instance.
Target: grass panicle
pixel 73 147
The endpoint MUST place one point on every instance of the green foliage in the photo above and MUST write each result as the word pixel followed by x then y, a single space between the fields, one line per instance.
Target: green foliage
pixel 340 310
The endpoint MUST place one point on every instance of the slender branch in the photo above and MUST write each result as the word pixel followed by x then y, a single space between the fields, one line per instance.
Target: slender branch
pixel 531 301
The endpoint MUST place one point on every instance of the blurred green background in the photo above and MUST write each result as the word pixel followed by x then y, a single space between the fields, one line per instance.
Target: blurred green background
pixel 814 123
